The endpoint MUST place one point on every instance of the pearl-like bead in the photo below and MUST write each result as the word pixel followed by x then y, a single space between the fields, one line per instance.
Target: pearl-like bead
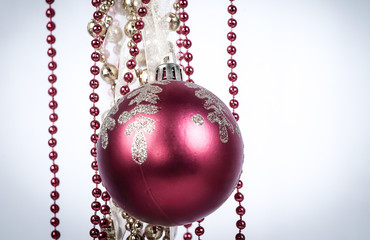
pixel 114 34
pixel 153 232
pixel 130 29
pixel 109 73
pixel 131 6
pixel 173 21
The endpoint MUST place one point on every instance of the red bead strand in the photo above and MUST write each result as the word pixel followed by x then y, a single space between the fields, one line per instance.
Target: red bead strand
pixel 95 124
pixel 131 64
pixel 199 231
pixel 240 211
pixel 188 235
pixel 53 105
pixel 231 62
pixel 185 42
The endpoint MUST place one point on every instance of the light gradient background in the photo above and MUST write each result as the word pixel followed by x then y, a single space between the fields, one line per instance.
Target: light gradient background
pixel 304 106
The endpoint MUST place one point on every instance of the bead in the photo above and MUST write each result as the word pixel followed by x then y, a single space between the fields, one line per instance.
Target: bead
pixel 153 232
pixel 53 130
pixel 188 236
pixel 96 3
pixel 50 26
pixel 54 195
pixel 176 6
pixel 54 221
pixel 240 224
pixel 102 236
pixel 130 29
pixel 239 185
pixel 96 179
pixel 94 84
pixel 232 77
pixel 50 39
pixel 233 90
pixel 232 9
pixel 130 6
pixel 93 24
pixel 104 8
pixel 94 138
pixel 105 197
pixel 142 11
pixel 108 19
pixel 52 79
pixel 124 90
pixel 189 70
pixel 55 182
pixel 179 43
pixel 55 234
pixel 54 168
pixel 53 117
pixel 139 24
pixel 186 43
pixel 54 208
pixel 93 152
pixel 94 97
pixel 125 215
pixel 134 51
pixel 109 73
pixel 137 38
pixel 199 231
pixel 128 77
pixel 231 63
pixel 95 206
pixel 50 13
pixel 95 56
pixel 183 16
pixel 49 1
pixel 98 15
pixel 94 111
pixel 105 209
pixel 138 226
pixel 239 197
pixel 97 28
pixel 52 142
pixel 146 1
pixel 231 50
pixel 94 233
pixel 94 165
pixel 51 52
pixel 173 21
pixel 95 124
pixel 183 3
pixel 185 30
pixel 96 192
pixel 131 64
pixel 231 36
pixel 95 70
pixel 239 236
pixel 95 219
pixel 52 65
pixel 180 56
pixel 236 116
pixel 53 155
pixel 104 223
pixel 232 22
pixel 95 43
pixel 234 103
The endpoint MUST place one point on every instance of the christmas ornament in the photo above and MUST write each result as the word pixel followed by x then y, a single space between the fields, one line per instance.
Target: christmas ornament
pixel 170 152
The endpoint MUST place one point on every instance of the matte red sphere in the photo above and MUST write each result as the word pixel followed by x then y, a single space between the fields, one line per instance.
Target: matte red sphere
pixel 170 153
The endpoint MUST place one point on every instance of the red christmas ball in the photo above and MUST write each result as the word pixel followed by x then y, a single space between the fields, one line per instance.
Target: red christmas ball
pixel 170 153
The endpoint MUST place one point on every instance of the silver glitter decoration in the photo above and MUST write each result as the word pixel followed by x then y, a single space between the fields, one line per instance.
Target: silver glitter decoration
pixel 198 119
pixel 108 124
pixel 218 114
pixel 147 93
pixel 139 145
pixel 143 108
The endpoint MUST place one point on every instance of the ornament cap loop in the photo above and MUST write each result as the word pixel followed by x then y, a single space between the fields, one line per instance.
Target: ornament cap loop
pixel 169 71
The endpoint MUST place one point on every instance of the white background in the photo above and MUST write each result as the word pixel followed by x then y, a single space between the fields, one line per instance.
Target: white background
pixel 304 83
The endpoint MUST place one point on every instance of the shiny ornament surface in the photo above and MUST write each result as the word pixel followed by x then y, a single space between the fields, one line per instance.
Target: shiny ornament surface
pixel 170 153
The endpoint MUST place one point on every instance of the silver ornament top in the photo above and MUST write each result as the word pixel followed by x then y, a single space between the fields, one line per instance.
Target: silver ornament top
pixel 169 71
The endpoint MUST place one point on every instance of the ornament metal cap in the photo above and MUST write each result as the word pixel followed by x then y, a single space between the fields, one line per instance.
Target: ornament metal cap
pixel 168 71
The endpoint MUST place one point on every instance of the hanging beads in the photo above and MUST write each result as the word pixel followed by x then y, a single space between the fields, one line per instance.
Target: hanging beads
pixel 184 31
pixel 96 56
pixel 53 105
pixel 199 231
pixel 187 235
pixel 240 211
pixel 231 62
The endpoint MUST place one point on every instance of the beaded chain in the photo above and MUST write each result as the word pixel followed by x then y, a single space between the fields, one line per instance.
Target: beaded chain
pixel 53 155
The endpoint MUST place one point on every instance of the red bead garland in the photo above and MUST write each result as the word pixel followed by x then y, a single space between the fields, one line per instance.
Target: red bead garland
pixel 95 124
pixel 184 31
pixel 134 50
pixel 53 117
pixel 188 235
pixel 199 231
